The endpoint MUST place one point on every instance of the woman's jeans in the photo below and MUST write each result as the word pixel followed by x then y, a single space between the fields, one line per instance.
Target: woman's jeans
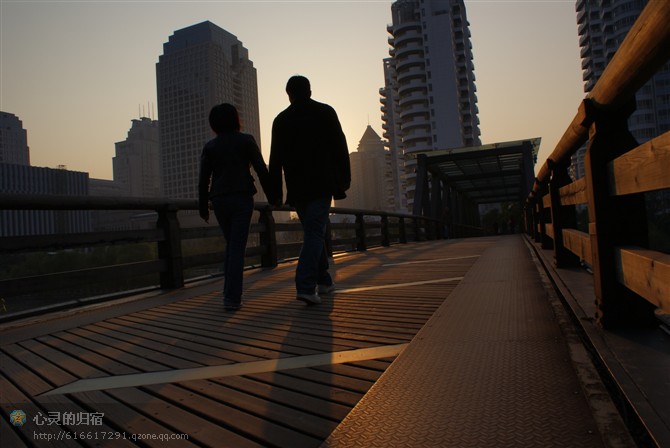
pixel 233 212
pixel 313 262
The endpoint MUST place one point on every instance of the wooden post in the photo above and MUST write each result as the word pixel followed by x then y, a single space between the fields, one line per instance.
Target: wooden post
pixel 169 249
pixel 544 216
pixel 534 220
pixel 361 244
pixel 329 238
pixel 268 238
pixel 436 205
pixel 386 239
pixel 562 217
pixel 613 221
pixel 537 220
pixel 528 217
pixel 420 186
pixel 417 230
pixel 402 231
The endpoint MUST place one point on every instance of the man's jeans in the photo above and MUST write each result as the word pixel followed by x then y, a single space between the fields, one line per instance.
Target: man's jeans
pixel 234 215
pixel 313 262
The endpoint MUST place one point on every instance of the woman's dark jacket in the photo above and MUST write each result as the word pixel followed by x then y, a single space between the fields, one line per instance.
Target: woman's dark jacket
pixel 308 145
pixel 225 167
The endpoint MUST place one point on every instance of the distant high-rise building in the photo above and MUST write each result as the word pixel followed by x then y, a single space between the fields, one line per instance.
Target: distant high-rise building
pixel 602 26
pixel 391 133
pixel 201 66
pixel 25 179
pixel 137 161
pixel 13 140
pixel 371 176
pixel 429 98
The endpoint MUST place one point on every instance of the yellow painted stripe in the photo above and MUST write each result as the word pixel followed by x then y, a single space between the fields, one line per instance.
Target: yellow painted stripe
pixel 398 285
pixel 247 368
pixel 430 261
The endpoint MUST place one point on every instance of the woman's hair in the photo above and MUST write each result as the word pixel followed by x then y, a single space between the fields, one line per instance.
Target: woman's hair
pixel 224 118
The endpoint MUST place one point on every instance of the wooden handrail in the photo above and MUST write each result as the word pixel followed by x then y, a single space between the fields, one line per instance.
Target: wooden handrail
pixel 642 53
pixel 168 235
pixel 630 279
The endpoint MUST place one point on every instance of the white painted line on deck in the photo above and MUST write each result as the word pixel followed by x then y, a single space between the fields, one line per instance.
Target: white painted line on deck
pixel 247 368
pixel 430 261
pixel 398 285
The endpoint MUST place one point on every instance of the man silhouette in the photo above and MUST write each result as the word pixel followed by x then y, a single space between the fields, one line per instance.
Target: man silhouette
pixel 308 145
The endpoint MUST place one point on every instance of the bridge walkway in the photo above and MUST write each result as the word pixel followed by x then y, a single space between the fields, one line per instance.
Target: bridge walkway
pixel 443 343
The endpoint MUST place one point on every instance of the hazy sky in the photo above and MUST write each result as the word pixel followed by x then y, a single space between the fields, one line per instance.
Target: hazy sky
pixel 77 72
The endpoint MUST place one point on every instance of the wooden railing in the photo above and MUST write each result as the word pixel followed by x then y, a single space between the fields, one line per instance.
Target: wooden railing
pixel 366 229
pixel 630 280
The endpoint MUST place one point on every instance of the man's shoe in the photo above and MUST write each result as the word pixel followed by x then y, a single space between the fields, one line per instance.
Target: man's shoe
pixel 231 306
pixel 326 289
pixel 309 299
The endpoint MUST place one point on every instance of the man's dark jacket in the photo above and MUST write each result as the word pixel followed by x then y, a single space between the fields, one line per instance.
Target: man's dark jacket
pixel 226 161
pixel 309 146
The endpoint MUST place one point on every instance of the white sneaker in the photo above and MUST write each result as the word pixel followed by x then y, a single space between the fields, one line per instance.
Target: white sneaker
pixel 326 289
pixel 309 299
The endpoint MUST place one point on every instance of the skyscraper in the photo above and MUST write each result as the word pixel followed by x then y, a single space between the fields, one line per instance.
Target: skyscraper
pixel 201 66
pixel 391 134
pixel 32 180
pixel 13 140
pixel 137 161
pixel 371 181
pixel 602 26
pixel 433 102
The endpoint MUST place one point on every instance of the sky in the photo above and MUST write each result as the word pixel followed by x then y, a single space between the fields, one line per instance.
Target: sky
pixel 77 72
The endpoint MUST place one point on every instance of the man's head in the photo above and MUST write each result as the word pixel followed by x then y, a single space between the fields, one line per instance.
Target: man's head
pixel 298 89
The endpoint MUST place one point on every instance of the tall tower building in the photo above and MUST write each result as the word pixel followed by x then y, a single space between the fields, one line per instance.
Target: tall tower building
pixel 201 66
pixel 371 179
pixel 602 26
pixel 433 99
pixel 391 134
pixel 137 161
pixel 13 140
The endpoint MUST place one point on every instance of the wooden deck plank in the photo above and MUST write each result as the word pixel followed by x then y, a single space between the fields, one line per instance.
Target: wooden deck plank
pixel 20 394
pixel 286 408
pixel 130 423
pixel 259 341
pixel 179 420
pixel 227 350
pixel 314 330
pixel 158 356
pixel 171 393
pixel 351 313
pixel 306 403
pixel 219 413
pixel 334 394
pixel 9 434
pixel 13 398
pixel 172 418
pixel 287 421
